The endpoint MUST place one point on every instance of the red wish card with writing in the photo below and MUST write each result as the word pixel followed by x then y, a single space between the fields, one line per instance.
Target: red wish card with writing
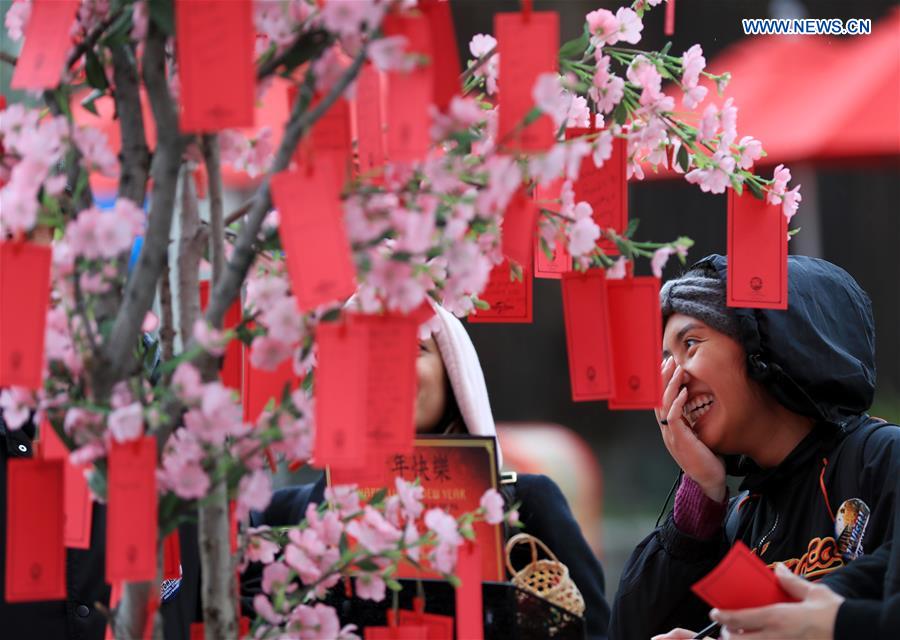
pixel 519 222
pixel 446 65
pixel 35 553
pixel 528 47
pixel 231 361
pixel 369 120
pixel 215 49
pixel 605 189
pixel 313 236
pixel 741 581
pixel 131 531
pixel 510 300
pixel 559 261
pixel 410 95
pixel 757 253
pixel 24 287
pixel 635 324
pixel 261 386
pixel 78 504
pixel 437 627
pixel 469 604
pixel 586 314
pixel 340 394
pixel 47 41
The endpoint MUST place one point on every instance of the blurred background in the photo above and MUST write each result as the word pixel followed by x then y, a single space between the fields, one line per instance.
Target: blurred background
pixel 828 107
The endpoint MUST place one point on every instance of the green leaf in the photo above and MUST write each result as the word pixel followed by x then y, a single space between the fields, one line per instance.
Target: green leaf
pixel 683 158
pixel 88 101
pixel 481 304
pixel 163 16
pixel 737 185
pixel 575 48
pixel 332 315
pixel 97 483
pixel 665 50
pixel 393 585
pixel 793 232
pixel 756 190
pixel 96 76
pixel 620 115
pixel 367 565
pixel 379 497
pixel 632 227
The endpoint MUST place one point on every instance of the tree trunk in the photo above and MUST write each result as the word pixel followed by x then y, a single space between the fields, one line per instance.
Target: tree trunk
pixel 219 615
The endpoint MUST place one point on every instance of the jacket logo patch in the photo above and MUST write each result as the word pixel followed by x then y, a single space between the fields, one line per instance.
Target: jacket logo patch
pixel 822 556
pixel 850 527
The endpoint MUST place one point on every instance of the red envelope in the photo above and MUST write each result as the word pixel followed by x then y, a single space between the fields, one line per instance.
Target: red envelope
pixel 231 361
pixel 527 48
pixel 340 395
pixel 216 66
pixel 24 297
pixel 78 503
pixel 437 627
pixel 35 552
pixel 409 95
pixel 757 253
pixel 369 121
pixel 741 581
pixel 469 612
pixel 635 324
pixel 550 268
pixel 519 222
pixel 510 300
pixel 47 42
pixel 131 524
pixel 261 386
pixel 171 556
pixel 605 189
pixel 586 314
pixel 446 65
pixel 312 232
pixel 330 139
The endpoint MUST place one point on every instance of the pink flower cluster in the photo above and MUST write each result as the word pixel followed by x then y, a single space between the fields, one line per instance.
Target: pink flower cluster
pixel 251 155
pixel 608 29
pixel 103 235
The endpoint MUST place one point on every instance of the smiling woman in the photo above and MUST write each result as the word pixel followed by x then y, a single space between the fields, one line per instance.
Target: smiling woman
pixel 778 397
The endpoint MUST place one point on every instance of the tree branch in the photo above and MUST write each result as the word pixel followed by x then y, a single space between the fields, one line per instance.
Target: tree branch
pixel 307 46
pixel 229 285
pixel 238 213
pixel 116 352
pixel 190 248
pixel 216 222
pixel 219 616
pixel 167 321
pixel 8 58
pixel 91 39
pixel 134 157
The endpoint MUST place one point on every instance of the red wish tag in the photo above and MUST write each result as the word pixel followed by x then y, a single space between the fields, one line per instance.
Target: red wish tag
pixel 757 253
pixel 231 361
pixel 331 139
pixel 510 300
pixel 312 232
pixel 605 189
pixel 261 386
pixel 437 627
pixel 340 394
pixel 586 315
pixel 560 261
pixel 47 41
pixel 131 531
pixel 368 117
pixel 527 48
pixel 469 605
pixel 741 581
pixel 24 287
pixel 35 552
pixel 446 65
pixel 171 556
pixel 215 49
pixel 518 228
pixel 635 324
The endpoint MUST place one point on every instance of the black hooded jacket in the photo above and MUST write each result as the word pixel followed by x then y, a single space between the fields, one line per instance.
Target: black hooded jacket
pixel 818 359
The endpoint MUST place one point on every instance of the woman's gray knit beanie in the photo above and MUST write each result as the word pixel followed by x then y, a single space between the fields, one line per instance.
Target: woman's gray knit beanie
pixel 699 293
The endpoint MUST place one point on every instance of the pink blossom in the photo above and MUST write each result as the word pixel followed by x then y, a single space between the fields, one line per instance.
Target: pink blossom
pixel 607 89
pixel 443 557
pixel 16 404
pixel 512 518
pixel 389 54
pixel 402 290
pixel 254 493
pixel 283 321
pixel 709 125
pixel 550 97
pixel 603 148
pixel 264 291
pixel 694 96
pixel 259 549
pixel 791 202
pixel 660 258
pixel 328 526
pixel 273 22
pixel 480 45
pixel 127 423
pixel 87 454
pixel 212 340
pixel 692 63
pixel 630 25
pixel 182 471
pixel 462 114
pixel 644 74
pixel 187 383
pixel 370 586
pixel 584 232
pixel 345 17
pixel 714 179
pixel 17 19
pixel 604 26
pixel 751 150
pixel 319 622
pixel 492 503
pixel 444 526
pixel 618 270
pixel 781 177
pixel 344 498
pixel 373 532
pixel 275 575
pixel 263 607
pixel 268 353
pixel 411 496
pixel 95 151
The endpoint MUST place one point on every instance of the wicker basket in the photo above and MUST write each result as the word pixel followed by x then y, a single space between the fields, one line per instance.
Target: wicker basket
pixel 546 578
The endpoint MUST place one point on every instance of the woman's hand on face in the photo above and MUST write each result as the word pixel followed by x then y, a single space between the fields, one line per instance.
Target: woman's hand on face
pixel 696 459
pixel 676 634
pixel 813 617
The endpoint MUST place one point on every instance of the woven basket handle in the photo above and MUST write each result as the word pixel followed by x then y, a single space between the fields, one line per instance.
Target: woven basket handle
pixel 521 538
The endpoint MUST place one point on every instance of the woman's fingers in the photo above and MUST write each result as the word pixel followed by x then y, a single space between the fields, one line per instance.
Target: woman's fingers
pixel 672 389
pixel 676 410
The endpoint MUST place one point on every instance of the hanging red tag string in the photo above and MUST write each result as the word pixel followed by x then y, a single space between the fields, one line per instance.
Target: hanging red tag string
pixel 526 10
pixel 669 28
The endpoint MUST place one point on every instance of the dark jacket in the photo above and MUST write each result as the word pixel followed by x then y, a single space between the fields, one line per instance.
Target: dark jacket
pixel 543 510
pixel 818 359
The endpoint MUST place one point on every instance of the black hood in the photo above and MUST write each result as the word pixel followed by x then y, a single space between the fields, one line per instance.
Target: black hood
pixel 818 357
